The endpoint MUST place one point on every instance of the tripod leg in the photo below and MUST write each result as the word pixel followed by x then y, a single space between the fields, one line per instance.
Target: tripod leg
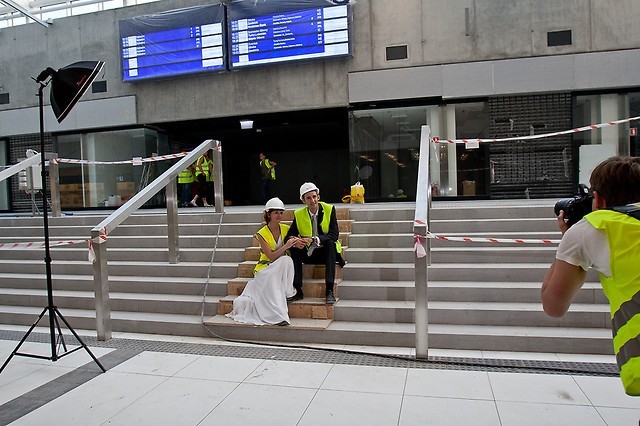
pixel 24 338
pixel 60 335
pixel 86 348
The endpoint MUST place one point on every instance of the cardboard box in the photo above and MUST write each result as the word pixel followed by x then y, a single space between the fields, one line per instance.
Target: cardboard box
pixel 468 187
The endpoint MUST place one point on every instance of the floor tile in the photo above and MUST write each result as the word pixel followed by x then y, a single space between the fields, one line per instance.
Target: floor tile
pixel 607 359
pixel 420 410
pixel 449 384
pixel 359 378
pixel 25 377
pixel 520 355
pixel 534 414
pixel 157 363
pixel 619 416
pixel 606 392
pixel 263 405
pixel 99 399
pixel 220 368
pixel 384 350
pixel 176 401
pixel 331 407
pixel 540 388
pixel 455 353
pixel 289 373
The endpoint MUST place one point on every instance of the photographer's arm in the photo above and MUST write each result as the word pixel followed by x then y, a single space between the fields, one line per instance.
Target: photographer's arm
pixel 560 286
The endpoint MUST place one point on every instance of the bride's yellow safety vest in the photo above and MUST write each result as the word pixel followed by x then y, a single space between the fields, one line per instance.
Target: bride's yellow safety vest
pixel 265 233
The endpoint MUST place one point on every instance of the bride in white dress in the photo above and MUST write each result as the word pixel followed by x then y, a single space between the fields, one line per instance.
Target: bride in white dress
pixel 264 298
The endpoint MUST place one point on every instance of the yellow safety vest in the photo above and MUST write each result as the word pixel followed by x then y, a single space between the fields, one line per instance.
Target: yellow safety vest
pixel 623 291
pixel 271 170
pixel 265 233
pixel 205 168
pixel 186 176
pixel 303 221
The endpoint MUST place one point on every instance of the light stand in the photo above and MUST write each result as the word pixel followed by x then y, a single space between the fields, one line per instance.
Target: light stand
pixel 65 98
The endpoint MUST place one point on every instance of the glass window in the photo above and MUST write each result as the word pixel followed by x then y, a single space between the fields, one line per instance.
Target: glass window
pixel 597 145
pixel 385 149
pixel 98 185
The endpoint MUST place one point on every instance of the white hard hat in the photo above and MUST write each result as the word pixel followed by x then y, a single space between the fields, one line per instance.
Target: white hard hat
pixel 308 187
pixel 274 204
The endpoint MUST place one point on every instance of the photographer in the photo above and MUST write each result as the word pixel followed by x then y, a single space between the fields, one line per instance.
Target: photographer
pixel 607 239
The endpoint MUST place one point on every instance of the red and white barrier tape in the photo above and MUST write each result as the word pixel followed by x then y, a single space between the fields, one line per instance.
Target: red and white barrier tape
pixel 420 251
pixel 590 127
pixel 41 244
pixel 137 161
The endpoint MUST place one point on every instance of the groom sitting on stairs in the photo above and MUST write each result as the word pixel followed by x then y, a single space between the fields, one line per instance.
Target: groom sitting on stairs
pixel 317 227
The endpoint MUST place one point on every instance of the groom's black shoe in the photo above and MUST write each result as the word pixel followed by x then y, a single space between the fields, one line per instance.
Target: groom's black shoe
pixel 331 299
pixel 297 296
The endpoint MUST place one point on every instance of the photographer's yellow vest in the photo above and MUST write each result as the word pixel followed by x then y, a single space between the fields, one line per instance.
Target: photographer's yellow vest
pixel 623 291
pixel 303 221
pixel 265 233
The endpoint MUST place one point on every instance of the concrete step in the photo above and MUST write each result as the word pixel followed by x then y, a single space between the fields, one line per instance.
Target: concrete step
pixel 220 323
pixel 458 225
pixel 245 270
pixel 311 287
pixel 471 313
pixel 461 291
pixel 477 337
pixel 129 322
pixel 309 307
pixel 508 272
pixel 408 239
pixel 131 302
pixel 465 254
pixel 148 254
pixel 149 269
pixel 140 284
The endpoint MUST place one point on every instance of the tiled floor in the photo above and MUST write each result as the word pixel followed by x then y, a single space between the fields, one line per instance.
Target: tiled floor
pixel 172 388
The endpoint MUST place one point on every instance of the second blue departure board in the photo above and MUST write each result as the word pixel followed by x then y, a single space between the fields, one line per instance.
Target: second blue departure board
pixel 289 35
pixel 177 42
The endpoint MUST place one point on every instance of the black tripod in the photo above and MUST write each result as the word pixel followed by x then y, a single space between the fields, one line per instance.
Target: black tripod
pixel 50 309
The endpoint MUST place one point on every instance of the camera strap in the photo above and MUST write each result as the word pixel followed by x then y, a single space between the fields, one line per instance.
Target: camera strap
pixel 632 210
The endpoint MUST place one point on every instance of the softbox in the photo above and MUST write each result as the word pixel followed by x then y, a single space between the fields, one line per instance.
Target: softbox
pixel 68 85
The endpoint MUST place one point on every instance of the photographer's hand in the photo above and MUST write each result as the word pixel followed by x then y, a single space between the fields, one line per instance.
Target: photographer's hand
pixel 562 225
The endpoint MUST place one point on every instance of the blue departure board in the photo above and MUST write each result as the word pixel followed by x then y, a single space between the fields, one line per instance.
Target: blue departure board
pixel 173 43
pixel 289 35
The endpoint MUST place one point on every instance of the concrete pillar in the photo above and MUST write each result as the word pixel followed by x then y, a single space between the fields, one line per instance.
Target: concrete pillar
pixel 609 111
pixel 89 194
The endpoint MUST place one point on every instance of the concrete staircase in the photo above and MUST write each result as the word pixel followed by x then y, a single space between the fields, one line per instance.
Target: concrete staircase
pixel 482 296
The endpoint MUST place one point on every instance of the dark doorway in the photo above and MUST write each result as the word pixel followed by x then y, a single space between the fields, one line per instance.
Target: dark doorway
pixel 307 145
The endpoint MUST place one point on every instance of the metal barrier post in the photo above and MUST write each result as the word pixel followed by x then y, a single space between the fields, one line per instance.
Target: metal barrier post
pixel 101 287
pixel 217 177
pixel 171 191
pixel 420 229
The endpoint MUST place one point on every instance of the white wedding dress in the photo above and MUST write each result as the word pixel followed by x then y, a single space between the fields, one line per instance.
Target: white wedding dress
pixel 264 298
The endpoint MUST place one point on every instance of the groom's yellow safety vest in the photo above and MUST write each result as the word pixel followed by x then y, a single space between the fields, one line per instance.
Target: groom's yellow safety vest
pixel 303 220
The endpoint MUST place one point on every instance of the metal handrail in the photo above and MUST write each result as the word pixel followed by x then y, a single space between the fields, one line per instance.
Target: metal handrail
pixel 54 177
pixel 421 224
pixel 100 232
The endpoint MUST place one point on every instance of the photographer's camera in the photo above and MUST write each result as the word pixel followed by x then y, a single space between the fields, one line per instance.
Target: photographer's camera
pixel 575 208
